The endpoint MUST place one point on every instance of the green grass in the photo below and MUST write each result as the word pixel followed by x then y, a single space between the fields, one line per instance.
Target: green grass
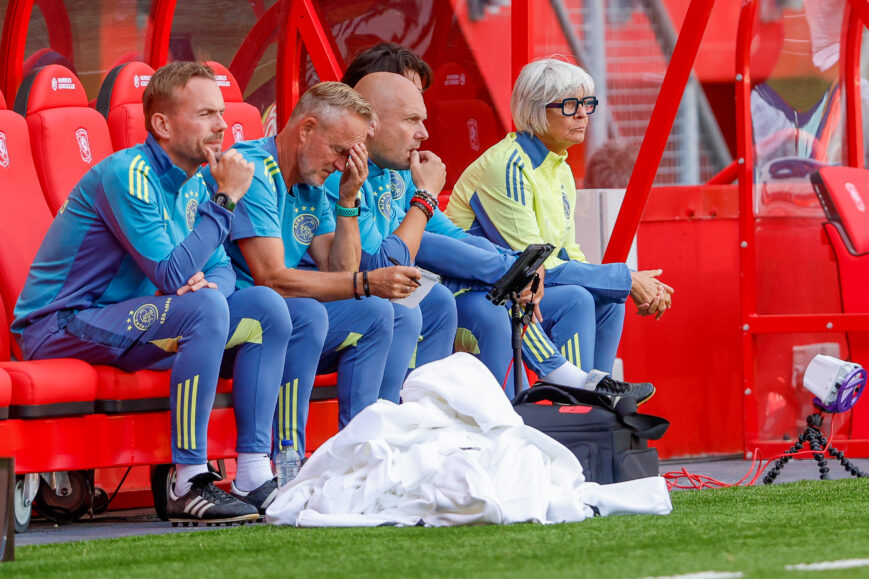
pixel 756 531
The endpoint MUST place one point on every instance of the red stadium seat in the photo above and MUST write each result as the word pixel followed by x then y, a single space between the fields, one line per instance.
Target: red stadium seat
pixel 67 137
pixel 143 391
pixel 461 126
pixel 25 217
pixel 48 387
pixel 243 120
pixel 120 102
pixel 5 394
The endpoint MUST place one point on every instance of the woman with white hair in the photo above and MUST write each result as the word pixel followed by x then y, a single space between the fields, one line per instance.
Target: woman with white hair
pixel 522 191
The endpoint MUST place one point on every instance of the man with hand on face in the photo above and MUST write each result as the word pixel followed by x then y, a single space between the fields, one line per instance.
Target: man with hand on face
pixel 339 318
pixel 132 273
pixel 389 235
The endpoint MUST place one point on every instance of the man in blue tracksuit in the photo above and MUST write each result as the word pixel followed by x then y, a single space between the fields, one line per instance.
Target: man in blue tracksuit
pixel 340 319
pixel 388 234
pixel 132 273
pixel 470 264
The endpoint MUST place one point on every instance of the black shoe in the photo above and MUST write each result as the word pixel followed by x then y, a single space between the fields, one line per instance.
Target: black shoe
pixel 205 503
pixel 261 497
pixel 616 389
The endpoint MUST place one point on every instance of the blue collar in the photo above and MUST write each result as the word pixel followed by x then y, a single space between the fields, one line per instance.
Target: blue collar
pixel 375 170
pixel 533 147
pixel 171 176
pixel 271 147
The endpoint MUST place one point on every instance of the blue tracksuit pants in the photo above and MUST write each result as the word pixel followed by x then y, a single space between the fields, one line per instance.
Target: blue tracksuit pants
pixel 350 336
pixel 422 334
pixel 199 331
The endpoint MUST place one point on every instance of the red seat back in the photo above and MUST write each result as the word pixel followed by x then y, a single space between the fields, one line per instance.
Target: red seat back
pixel 461 126
pixel 844 196
pixel 243 120
pixel 120 102
pixel 67 137
pixel 24 219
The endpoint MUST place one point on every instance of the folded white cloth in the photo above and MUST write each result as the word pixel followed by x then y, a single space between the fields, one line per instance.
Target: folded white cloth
pixel 453 453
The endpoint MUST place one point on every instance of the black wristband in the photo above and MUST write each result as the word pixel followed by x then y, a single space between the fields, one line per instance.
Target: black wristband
pixel 355 287
pixel 365 287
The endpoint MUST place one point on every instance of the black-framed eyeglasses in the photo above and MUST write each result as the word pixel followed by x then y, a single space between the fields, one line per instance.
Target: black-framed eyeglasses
pixel 569 107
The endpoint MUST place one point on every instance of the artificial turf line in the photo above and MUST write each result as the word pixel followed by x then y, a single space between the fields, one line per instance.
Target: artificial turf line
pixel 827 565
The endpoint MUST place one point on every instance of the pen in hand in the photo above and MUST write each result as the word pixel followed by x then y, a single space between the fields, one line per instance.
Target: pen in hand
pixel 396 262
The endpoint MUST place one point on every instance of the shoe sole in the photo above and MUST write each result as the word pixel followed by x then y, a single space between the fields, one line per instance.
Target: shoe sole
pixel 262 509
pixel 647 398
pixel 241 519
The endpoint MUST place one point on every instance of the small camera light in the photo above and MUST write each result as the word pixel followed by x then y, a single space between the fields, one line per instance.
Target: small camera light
pixel 836 384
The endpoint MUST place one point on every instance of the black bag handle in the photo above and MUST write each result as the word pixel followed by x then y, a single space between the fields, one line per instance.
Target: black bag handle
pixel 643 425
pixel 558 394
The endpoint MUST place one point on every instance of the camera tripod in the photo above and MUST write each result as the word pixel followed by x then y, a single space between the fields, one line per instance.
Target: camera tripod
pixel 817 442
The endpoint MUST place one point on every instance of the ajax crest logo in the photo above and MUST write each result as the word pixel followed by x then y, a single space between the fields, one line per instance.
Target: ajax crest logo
pixel 84 147
pixel 474 134
pixel 384 203
pixel 304 227
pixel 144 317
pixel 396 184
pixel 237 132
pixel 190 213
pixel 4 151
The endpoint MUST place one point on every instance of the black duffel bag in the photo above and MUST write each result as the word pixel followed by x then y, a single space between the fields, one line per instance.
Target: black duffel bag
pixel 609 440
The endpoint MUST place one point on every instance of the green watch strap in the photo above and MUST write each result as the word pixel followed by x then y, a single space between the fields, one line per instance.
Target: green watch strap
pixel 347 211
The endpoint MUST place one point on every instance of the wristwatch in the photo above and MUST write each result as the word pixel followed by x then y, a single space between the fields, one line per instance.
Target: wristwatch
pixel 224 201
pixel 348 211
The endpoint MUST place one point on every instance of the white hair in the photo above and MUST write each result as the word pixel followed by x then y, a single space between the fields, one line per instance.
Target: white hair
pixel 543 82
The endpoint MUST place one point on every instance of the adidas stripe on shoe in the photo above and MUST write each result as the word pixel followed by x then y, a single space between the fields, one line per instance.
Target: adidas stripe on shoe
pixel 208 504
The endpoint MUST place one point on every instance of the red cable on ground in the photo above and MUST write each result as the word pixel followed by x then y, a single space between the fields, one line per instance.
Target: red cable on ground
pixel 699 481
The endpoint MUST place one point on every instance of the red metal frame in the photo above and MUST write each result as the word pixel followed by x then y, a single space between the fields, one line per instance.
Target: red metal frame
pixel 302 26
pixel 521 35
pixel 14 40
pixel 745 160
pixel 660 125
pixel 850 80
pixel 254 45
pixel 159 31
pixel 725 176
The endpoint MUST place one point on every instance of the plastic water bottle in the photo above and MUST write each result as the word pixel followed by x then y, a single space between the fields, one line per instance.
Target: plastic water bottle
pixel 287 463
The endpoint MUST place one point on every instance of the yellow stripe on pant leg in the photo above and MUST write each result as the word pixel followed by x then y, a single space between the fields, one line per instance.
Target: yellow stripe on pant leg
pixel 295 415
pixel 576 348
pixel 529 341
pixel 186 406
pixel 280 417
pixel 178 409
pixel 286 434
pixel 543 340
pixel 193 413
